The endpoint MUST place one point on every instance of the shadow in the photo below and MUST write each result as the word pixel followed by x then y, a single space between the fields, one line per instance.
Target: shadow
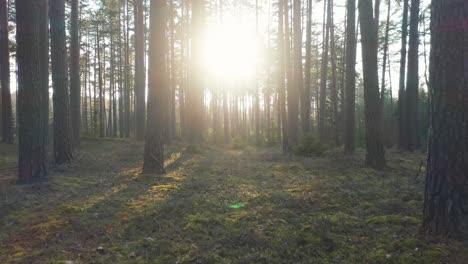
pixel 78 204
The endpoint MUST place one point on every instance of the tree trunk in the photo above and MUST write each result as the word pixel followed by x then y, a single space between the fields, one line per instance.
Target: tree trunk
pixel 375 153
pixel 63 151
pixel 33 88
pixel 257 88
pixel 446 183
pixel 385 55
pixel 412 81
pixel 7 116
pixel 324 71
pixel 183 70
pixel 196 93
pixel 75 83
pixel 282 64
pixel 173 84
pixel 84 116
pixel 139 70
pixel 297 82
pixel 402 138
pixel 110 125
pixel 154 148
pixel 127 71
pixel 95 110
pixel 101 103
pixel 334 85
pixel 305 104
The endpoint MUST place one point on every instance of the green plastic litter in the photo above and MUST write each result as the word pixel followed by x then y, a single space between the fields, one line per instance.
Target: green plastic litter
pixel 236 206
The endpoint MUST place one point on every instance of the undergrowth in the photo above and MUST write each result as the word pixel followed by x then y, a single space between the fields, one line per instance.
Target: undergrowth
pixel 102 209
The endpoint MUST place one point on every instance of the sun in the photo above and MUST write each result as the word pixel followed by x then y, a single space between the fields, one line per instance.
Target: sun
pixel 230 51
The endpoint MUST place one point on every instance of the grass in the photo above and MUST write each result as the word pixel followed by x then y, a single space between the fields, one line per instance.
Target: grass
pixel 217 205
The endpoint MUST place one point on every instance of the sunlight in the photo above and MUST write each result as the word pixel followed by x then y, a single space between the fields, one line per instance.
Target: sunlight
pixel 230 52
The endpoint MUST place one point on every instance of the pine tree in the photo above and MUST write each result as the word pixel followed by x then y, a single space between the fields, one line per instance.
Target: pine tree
pixel 375 152
pixel 75 82
pixel 350 92
pixel 446 191
pixel 6 111
pixel 63 150
pixel 154 148
pixel 33 88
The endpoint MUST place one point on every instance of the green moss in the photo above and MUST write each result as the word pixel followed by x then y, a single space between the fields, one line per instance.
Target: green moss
pixel 434 255
pixel 379 256
pixel 70 209
pixel 392 219
pixel 337 211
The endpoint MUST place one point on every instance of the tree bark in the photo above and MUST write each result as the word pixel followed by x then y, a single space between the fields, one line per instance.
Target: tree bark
pixel 297 80
pixel 402 137
pixel 101 103
pixel 139 70
pixel 412 84
pixel 33 88
pixel 446 183
pixel 281 73
pixel 324 72
pixel 385 55
pixel 333 85
pixel 7 115
pixel 196 92
pixel 154 148
pixel 305 104
pixel 75 82
pixel 63 150
pixel 350 92
pixel 375 152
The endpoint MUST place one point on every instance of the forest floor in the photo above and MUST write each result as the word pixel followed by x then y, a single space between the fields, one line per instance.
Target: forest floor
pixel 217 205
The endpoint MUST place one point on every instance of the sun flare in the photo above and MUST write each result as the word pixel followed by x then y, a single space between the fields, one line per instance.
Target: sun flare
pixel 230 51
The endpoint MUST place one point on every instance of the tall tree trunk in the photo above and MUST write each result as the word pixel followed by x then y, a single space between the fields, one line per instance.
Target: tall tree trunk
pixel 89 86
pixel 95 110
pixel 110 125
pixel 75 83
pixel 32 40
pixel 333 85
pixel 7 116
pixel 173 84
pixel 63 151
pixel 387 123
pixel 183 69
pixel 297 82
pixel 446 182
pixel 412 81
pixel 268 89
pixel 375 152
pixel 101 103
pixel 224 91
pixel 257 88
pixel 127 70
pixel 289 72
pixel 385 55
pixel 154 148
pixel 196 93
pixel 281 73
pixel 121 77
pixel 402 138
pixel 324 71
pixel 84 116
pixel 139 70
pixel 305 104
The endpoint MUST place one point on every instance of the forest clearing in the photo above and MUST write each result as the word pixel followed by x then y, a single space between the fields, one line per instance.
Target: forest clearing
pixel 102 209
